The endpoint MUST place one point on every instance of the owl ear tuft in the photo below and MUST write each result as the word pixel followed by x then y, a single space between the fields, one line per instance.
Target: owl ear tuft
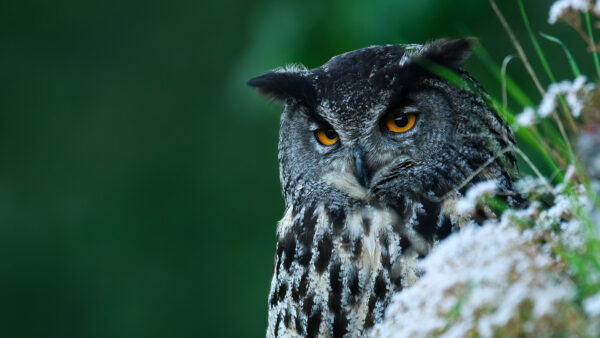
pixel 282 85
pixel 451 53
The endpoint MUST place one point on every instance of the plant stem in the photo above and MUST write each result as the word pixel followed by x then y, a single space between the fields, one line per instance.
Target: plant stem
pixel 535 43
pixel 588 23
pixel 518 47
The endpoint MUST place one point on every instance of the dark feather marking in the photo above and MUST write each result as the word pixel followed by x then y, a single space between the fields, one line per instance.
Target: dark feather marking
pixel 325 247
pixel 277 325
pixel 287 319
pixel 380 288
pixel 304 259
pixel 385 259
pixel 306 234
pixel 397 283
pixel 366 223
pixel 288 243
pixel 427 220
pixel 384 239
pixel 357 248
pixel 313 323
pixel 282 291
pixel 444 229
pixel 340 325
pixel 372 302
pixel 335 296
pixel 353 285
pixel 346 242
pixel 295 291
pixel 400 207
pixel 338 218
pixel 479 217
pixel 405 243
pixel 299 290
pixel 334 278
pixel 369 320
pixel 308 304
pixel 298 324
pixel 278 255
pixel 296 210
pixel 334 303
pixel 274 297
pixel 303 286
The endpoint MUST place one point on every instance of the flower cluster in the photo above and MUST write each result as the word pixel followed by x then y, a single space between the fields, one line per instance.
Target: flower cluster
pixel 561 8
pixel 503 278
pixel 485 281
pixel 575 94
pixel 468 203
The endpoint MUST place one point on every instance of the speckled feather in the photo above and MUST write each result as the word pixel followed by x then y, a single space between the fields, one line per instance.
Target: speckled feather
pixel 344 246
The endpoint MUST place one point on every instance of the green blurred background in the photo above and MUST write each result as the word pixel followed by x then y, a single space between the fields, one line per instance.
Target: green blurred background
pixel 139 188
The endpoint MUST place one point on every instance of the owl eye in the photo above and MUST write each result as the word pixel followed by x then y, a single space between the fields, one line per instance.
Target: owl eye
pixel 327 137
pixel 401 123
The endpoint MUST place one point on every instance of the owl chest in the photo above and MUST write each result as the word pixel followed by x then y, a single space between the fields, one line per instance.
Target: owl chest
pixel 334 275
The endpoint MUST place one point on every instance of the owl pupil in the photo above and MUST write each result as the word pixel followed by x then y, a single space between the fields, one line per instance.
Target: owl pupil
pixel 401 121
pixel 330 134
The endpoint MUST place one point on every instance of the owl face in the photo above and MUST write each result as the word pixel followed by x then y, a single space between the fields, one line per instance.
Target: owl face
pixel 374 125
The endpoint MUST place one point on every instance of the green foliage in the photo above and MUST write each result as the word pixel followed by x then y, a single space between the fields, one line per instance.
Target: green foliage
pixel 549 269
pixel 572 196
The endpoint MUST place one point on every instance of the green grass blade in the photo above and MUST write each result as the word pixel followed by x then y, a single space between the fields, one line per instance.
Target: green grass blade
pixel 531 137
pixel 588 23
pixel 572 62
pixel 542 58
pixel 503 76
pixel 513 89
pixel 536 45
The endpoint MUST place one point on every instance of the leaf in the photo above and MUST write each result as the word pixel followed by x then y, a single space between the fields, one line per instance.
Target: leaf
pixel 572 62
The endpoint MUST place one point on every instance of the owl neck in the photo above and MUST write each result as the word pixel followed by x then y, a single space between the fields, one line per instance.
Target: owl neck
pixel 336 268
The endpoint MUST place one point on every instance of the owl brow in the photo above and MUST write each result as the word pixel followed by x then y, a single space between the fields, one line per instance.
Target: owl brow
pixel 316 117
pixel 410 81
pixel 399 99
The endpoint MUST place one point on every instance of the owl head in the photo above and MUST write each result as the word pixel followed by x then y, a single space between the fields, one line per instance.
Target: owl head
pixel 376 125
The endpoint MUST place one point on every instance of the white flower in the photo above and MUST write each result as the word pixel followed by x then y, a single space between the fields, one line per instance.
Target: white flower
pixel 468 203
pixel 527 118
pixel 561 7
pixel 573 95
pixel 530 184
pixel 486 277
pixel 591 305
pixel 570 173
pixel 573 92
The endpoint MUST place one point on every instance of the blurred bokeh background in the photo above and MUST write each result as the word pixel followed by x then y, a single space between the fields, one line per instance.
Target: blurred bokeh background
pixel 139 188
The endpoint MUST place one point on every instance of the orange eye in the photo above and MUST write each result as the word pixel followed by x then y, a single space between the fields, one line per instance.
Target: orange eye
pixel 327 137
pixel 401 123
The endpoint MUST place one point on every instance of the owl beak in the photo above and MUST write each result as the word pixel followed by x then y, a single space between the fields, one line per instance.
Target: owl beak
pixel 359 167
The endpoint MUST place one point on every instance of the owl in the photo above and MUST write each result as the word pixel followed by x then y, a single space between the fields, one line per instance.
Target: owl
pixel 375 148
